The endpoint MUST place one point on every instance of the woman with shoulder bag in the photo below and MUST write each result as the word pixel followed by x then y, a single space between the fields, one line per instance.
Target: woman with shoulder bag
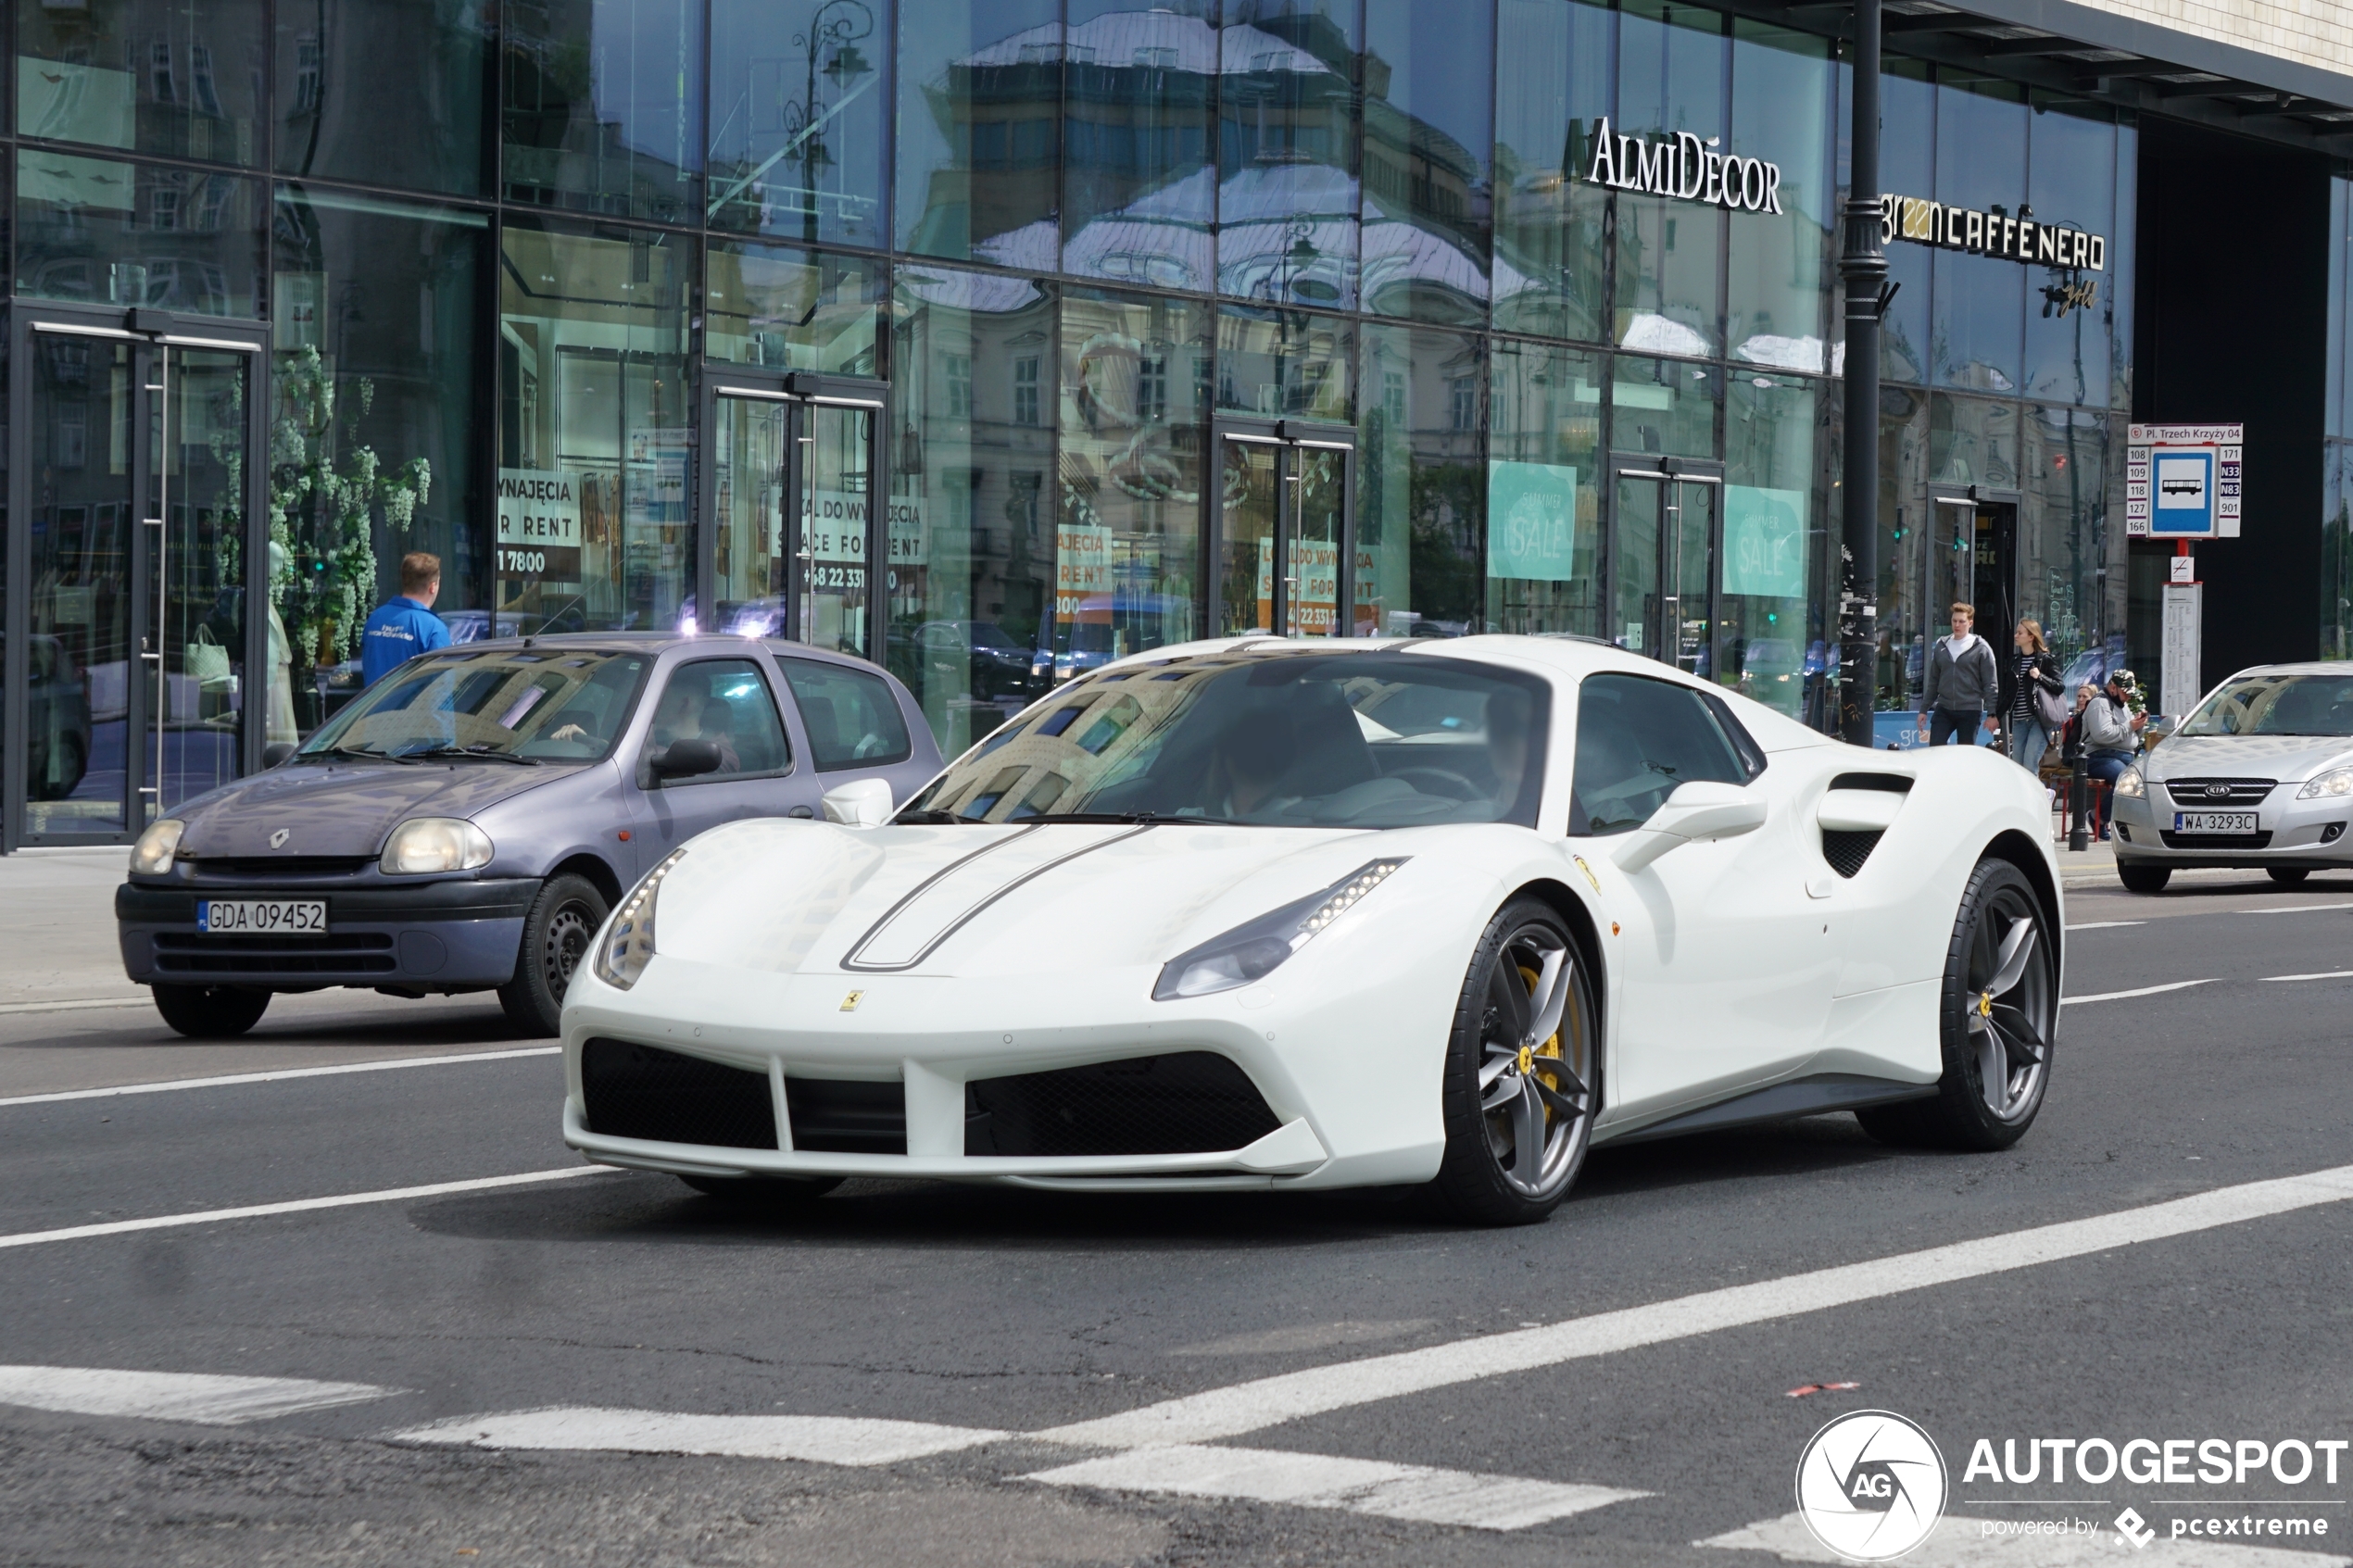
pixel 2035 699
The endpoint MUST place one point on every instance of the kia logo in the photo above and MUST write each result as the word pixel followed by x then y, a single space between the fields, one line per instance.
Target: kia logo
pixel 2213 792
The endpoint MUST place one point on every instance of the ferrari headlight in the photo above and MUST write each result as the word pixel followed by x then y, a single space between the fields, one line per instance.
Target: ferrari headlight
pixel 423 845
pixel 2335 782
pixel 628 946
pixel 152 855
pixel 1250 952
pixel 2130 784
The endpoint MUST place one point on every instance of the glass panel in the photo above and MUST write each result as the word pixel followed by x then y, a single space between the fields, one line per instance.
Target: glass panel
pixel 200 478
pixel 2063 527
pixel 1429 142
pixel 1286 146
pixel 1422 488
pixel 84 525
pixel 1973 441
pixel 1137 190
pixel 1979 301
pixel 853 719
pixel 792 310
pixel 1688 612
pixel 594 429
pixel 1635 619
pixel 553 705
pixel 1781 113
pixel 972 522
pixel 1670 78
pixel 832 528
pixel 604 107
pixel 725 701
pixel 2073 186
pixel 1905 621
pixel 1552 83
pixel 1128 576
pixel 1246 536
pixel 1907 167
pixel 129 234
pixel 979 107
pixel 797 118
pixel 1317 480
pixel 1545 491
pixel 747 438
pixel 1952 561
pixel 1660 406
pixel 1276 362
pixel 182 77
pixel 1773 533
pixel 374 418
pixel 2121 253
pixel 2337 553
pixel 335 61
pixel 1636 741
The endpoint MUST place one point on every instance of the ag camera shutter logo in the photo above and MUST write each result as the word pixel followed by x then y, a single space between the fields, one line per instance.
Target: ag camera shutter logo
pixel 1870 1486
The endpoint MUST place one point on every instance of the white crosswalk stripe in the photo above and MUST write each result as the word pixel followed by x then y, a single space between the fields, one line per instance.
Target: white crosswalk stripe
pixel 174 1396
pixel 825 1439
pixel 1966 1543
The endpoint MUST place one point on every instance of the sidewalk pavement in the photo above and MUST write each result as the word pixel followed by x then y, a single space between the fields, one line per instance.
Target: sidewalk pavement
pixel 56 912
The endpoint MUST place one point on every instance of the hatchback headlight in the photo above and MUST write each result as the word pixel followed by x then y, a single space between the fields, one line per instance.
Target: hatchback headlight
pixel 152 855
pixel 2335 782
pixel 1252 950
pixel 2130 785
pixel 423 845
pixel 628 946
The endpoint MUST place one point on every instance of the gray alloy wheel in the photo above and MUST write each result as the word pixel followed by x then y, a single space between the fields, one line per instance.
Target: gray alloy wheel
pixel 564 920
pixel 1523 1075
pixel 210 1012
pixel 1999 1013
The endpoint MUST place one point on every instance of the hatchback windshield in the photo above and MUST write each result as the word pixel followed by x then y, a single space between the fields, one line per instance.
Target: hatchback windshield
pixel 1356 740
pixel 2277 705
pixel 536 705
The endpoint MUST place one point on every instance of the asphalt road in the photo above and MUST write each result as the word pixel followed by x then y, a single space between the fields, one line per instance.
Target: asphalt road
pixel 622 1302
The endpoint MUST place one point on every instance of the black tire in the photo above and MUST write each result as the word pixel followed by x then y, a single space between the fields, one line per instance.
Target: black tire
pixel 564 920
pixel 764 1191
pixel 1479 1176
pixel 210 1012
pixel 2022 1018
pixel 2289 876
pixel 2142 879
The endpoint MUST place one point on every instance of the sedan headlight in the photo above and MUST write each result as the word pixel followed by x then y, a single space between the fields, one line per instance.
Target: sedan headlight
pixel 2130 785
pixel 1250 952
pixel 423 845
pixel 2335 782
pixel 152 855
pixel 628 946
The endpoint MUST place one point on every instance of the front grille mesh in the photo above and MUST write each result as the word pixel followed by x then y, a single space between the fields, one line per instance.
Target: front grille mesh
pixel 1190 1102
pixel 1848 851
pixel 348 952
pixel 838 1116
pixel 2193 793
pixel 637 1091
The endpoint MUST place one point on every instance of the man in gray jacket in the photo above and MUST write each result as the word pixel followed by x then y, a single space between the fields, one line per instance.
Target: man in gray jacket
pixel 1963 680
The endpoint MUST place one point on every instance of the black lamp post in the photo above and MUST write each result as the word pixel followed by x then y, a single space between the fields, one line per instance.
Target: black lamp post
pixel 1863 266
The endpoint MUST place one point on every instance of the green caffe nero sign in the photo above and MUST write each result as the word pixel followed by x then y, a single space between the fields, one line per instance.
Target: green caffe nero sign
pixel 1763 542
pixel 1531 521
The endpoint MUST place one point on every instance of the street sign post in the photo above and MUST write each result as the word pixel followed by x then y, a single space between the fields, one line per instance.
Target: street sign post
pixel 2183 482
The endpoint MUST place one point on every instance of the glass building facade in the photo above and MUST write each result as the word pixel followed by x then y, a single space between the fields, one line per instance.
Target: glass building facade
pixel 996 338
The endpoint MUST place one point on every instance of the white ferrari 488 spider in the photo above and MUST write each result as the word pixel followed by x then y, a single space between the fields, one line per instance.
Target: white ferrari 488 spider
pixel 1256 913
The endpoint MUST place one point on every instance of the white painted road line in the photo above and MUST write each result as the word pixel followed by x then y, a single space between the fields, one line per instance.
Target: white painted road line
pixel 826 1440
pixel 1270 1401
pixel 174 1396
pixel 2328 974
pixel 282 1074
pixel 2105 924
pixel 2143 991
pixel 2297 909
pixel 1963 1543
pixel 76 1004
pixel 1356 1486
pixel 299 1206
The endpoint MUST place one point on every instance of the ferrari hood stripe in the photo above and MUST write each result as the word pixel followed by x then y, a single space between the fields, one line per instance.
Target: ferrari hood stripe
pixel 950 898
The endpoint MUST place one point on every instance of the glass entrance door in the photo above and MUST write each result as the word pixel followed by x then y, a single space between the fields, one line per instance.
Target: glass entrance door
pixel 1665 544
pixel 787 491
pixel 131 467
pixel 1283 532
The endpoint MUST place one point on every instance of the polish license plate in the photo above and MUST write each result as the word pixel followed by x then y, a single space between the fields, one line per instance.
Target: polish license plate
pixel 2240 822
pixel 264 917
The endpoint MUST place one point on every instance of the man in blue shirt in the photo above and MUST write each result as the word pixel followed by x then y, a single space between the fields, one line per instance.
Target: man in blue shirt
pixel 404 627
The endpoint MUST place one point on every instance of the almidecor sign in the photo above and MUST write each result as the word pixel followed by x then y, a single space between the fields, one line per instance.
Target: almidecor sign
pixel 2018 239
pixel 1686 167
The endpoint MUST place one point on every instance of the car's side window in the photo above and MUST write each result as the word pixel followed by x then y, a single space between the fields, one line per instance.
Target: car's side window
pixel 853 719
pixel 1637 740
pixel 724 701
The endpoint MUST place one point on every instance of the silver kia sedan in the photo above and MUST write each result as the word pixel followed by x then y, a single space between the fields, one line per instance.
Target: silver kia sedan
pixel 466 823
pixel 2260 774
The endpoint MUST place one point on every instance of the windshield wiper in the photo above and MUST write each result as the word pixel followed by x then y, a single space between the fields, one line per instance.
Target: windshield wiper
pixel 357 754
pixel 482 755
pixel 906 819
pixel 1154 818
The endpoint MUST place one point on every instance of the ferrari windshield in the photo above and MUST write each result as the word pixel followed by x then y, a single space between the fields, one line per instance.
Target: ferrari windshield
pixel 2277 705
pixel 527 704
pixel 1347 740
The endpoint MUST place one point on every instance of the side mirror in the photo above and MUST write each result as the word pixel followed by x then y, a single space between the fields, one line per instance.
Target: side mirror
pixel 862 803
pixel 1696 811
pixel 277 752
pixel 684 760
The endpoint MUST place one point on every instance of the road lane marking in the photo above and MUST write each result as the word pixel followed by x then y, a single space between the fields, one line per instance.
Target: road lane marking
pixel 2326 974
pixel 826 1440
pixel 278 1074
pixel 299 1206
pixel 2143 991
pixel 2296 910
pixel 73 1005
pixel 1963 1543
pixel 1355 1486
pixel 2105 924
pixel 1271 1401
pixel 175 1396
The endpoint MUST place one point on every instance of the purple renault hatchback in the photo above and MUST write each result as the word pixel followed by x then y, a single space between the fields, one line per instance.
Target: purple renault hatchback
pixel 467 822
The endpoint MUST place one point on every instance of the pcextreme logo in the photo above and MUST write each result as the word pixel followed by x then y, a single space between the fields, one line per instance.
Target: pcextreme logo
pixel 1870 1486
